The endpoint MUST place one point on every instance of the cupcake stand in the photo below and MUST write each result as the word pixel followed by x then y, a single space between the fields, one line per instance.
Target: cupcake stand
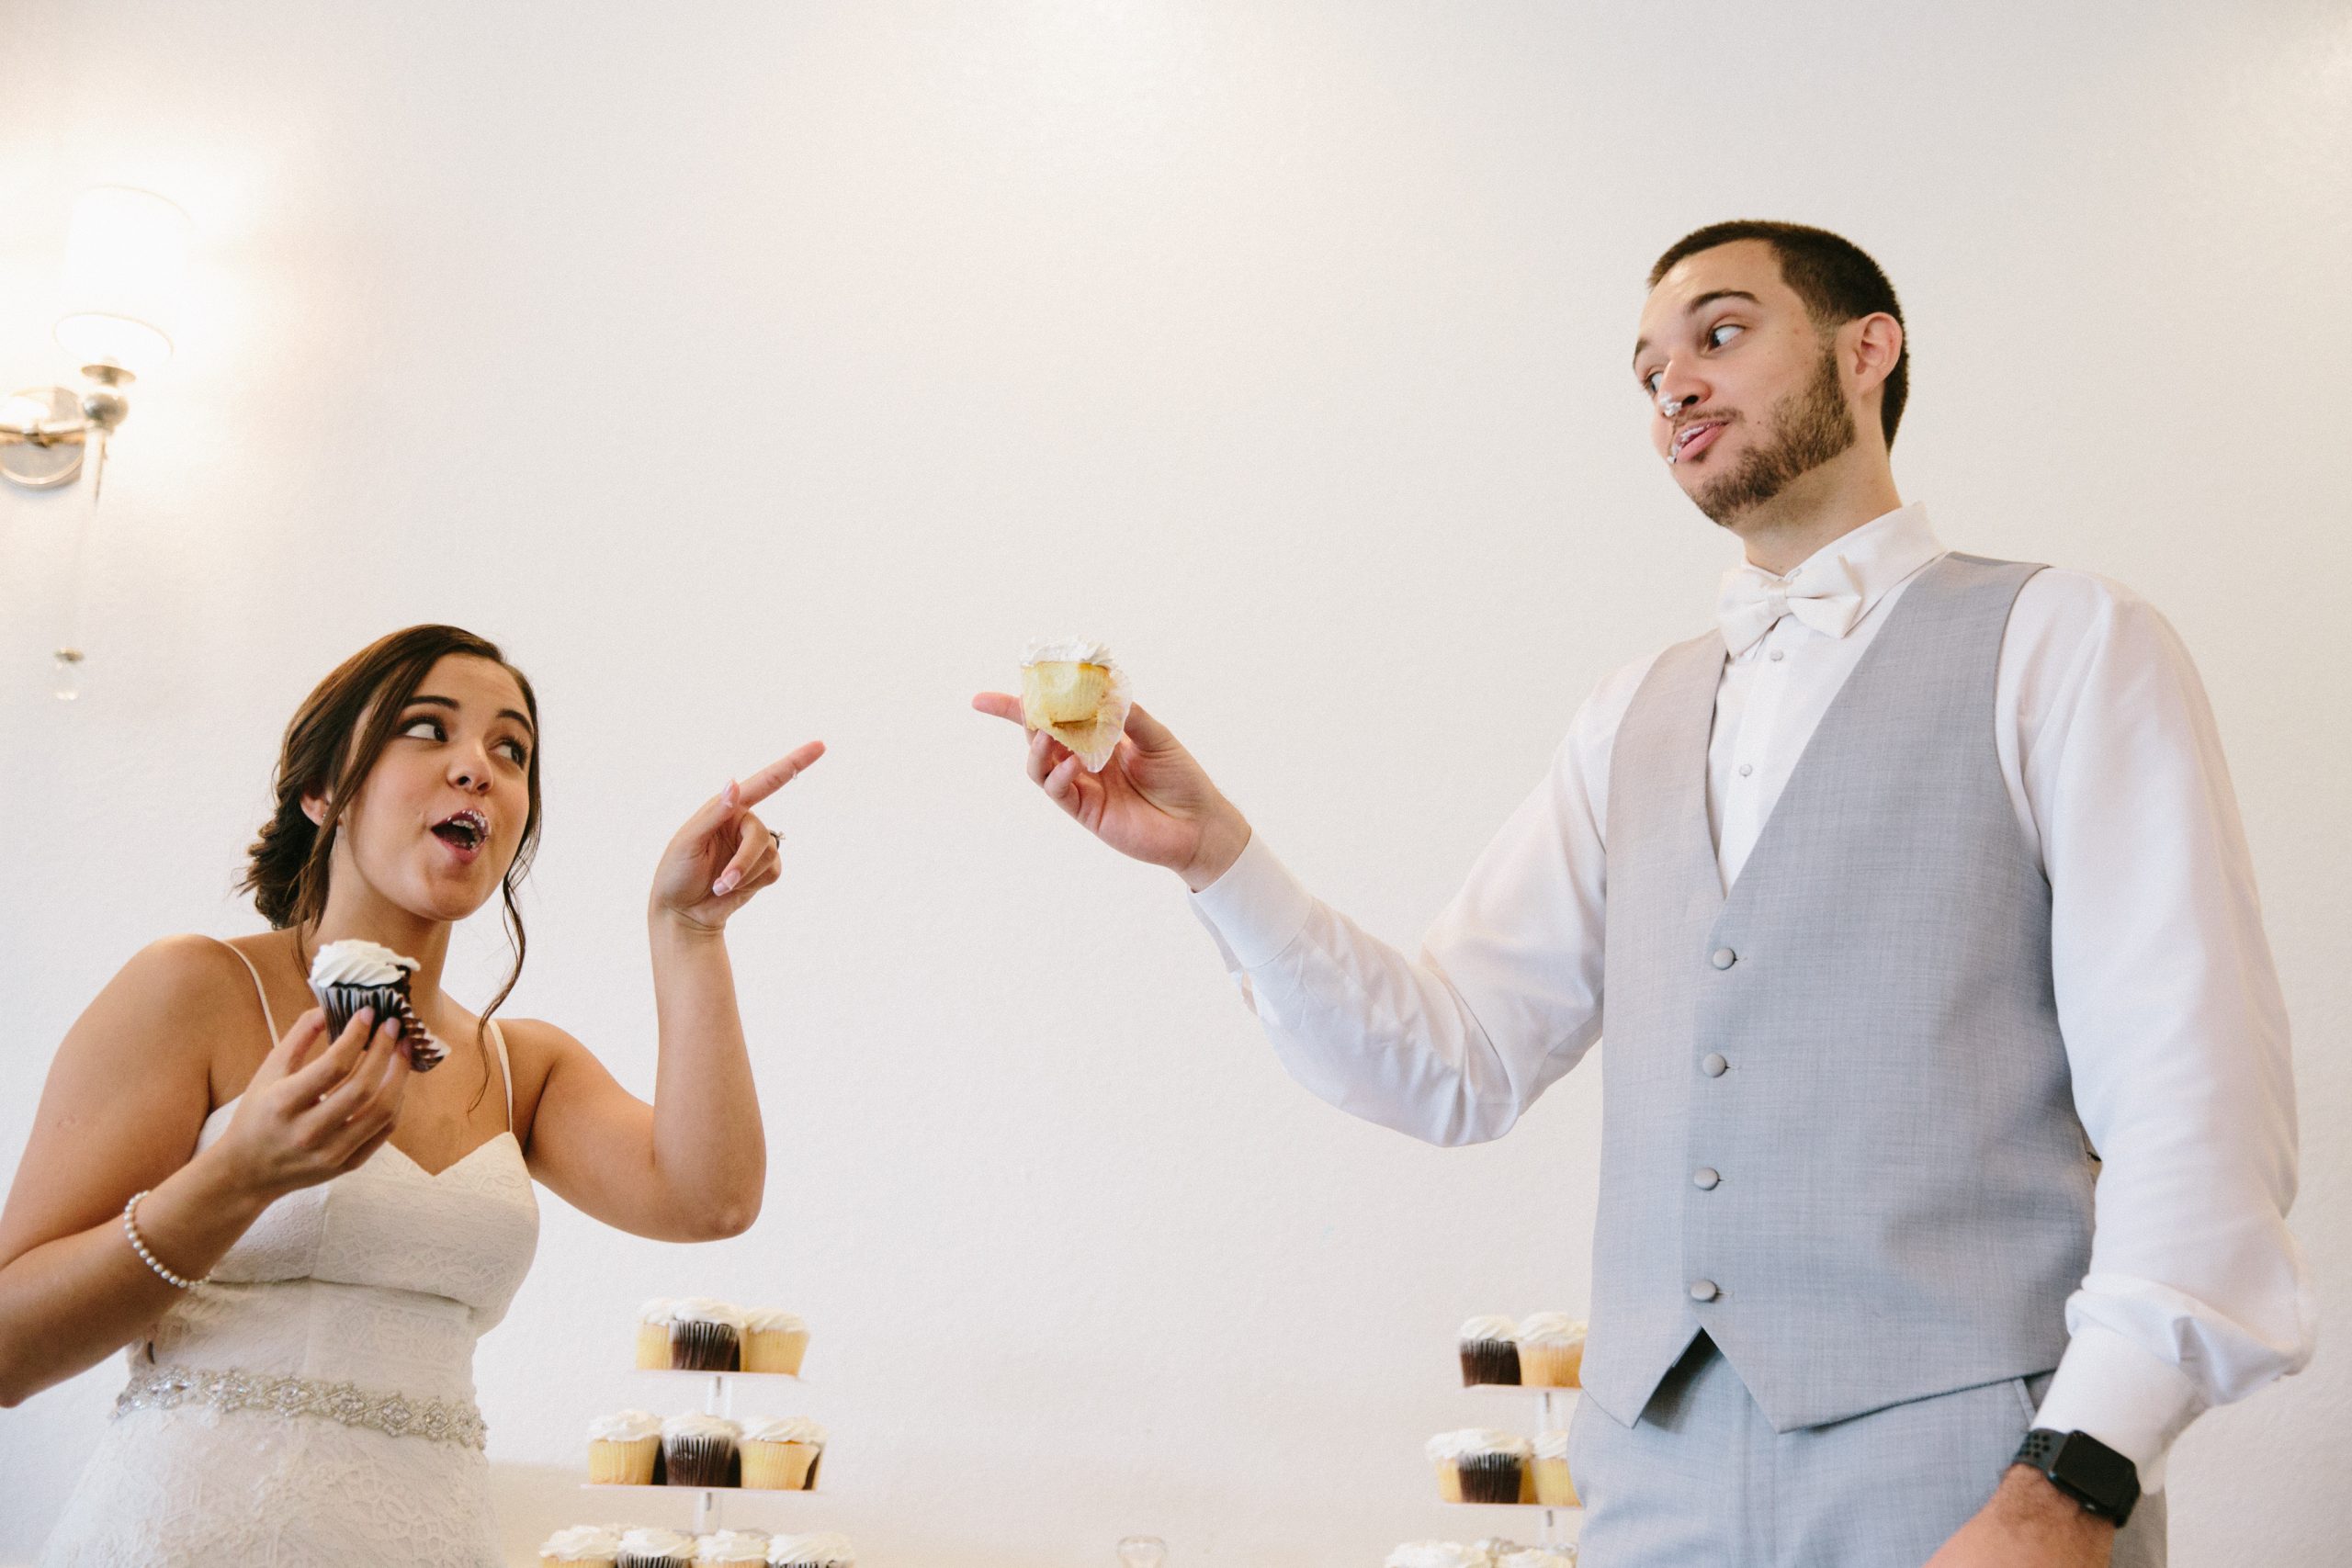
pixel 718 1399
pixel 1553 1410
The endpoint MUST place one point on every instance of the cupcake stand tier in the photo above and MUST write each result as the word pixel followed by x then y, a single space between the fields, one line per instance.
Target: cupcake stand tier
pixel 1553 1413
pixel 718 1399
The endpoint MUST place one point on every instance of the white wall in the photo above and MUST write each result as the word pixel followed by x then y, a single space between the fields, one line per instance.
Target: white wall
pixel 758 372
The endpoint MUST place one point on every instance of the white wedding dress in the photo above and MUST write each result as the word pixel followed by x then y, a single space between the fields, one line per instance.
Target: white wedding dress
pixel 314 1406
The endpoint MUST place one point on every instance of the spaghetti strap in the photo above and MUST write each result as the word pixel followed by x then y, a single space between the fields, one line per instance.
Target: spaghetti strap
pixel 267 1017
pixel 505 1070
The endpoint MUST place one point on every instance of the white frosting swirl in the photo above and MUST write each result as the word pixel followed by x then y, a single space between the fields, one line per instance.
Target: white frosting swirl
pixel 1436 1554
pixel 1472 1440
pixel 731 1546
pixel 784 1429
pixel 695 1424
pixel 655 1543
pixel 1066 651
pixel 1488 1329
pixel 1551 1445
pixel 657 1310
pixel 1552 1328
pixel 624 1427
pixel 359 963
pixel 774 1320
pixel 825 1551
pixel 581 1543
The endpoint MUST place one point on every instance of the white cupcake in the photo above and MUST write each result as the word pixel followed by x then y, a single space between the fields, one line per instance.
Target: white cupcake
pixel 1551 1351
pixel 656 1549
pixel 827 1551
pixel 581 1546
pixel 723 1547
pixel 781 1453
pixel 1072 689
pixel 1554 1488
pixel 773 1341
pixel 625 1448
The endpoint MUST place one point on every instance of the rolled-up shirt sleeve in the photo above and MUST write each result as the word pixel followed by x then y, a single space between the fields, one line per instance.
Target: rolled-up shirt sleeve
pixel 1452 1044
pixel 2176 1033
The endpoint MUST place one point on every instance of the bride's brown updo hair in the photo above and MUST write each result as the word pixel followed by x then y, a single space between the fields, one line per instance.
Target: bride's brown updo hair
pixel 332 743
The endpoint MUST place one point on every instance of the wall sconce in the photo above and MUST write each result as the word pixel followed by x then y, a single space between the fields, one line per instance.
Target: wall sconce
pixel 125 257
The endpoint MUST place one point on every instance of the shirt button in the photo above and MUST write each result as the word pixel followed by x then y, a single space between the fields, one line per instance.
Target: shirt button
pixel 1703 1291
pixel 1746 769
pixel 1724 958
pixel 1705 1178
pixel 1779 654
pixel 1714 1066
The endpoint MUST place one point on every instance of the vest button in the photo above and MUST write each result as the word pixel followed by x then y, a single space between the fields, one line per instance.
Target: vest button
pixel 1705 1178
pixel 1703 1291
pixel 1714 1066
pixel 1723 958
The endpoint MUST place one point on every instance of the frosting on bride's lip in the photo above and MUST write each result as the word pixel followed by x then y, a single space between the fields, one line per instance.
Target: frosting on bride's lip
pixel 356 962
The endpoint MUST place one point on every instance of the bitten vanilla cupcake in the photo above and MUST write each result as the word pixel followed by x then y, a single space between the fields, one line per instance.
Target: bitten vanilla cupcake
pixel 1477 1465
pixel 1551 1351
pixel 1073 691
pixel 705 1336
pixel 1489 1351
pixel 827 1551
pixel 773 1341
pixel 722 1549
pixel 1553 1486
pixel 348 976
pixel 699 1450
pixel 656 1549
pixel 1436 1554
pixel 581 1546
pixel 781 1453
pixel 625 1449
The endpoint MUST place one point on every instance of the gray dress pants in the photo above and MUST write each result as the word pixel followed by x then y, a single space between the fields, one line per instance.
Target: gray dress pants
pixel 1702 1480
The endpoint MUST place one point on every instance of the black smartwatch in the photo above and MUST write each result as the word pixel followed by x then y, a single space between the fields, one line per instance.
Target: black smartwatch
pixel 2102 1480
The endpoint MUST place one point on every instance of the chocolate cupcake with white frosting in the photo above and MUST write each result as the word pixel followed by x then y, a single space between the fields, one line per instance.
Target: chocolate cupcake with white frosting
pixel 1477 1465
pixel 348 976
pixel 705 1336
pixel 1489 1351
pixel 656 1549
pixel 699 1450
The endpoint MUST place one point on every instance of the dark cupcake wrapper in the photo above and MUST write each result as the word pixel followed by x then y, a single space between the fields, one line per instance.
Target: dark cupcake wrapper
pixel 700 1347
pixel 1490 1478
pixel 1489 1360
pixel 702 1461
pixel 341 1004
pixel 658 1560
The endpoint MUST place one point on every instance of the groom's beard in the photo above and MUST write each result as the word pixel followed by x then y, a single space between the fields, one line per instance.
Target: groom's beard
pixel 1810 428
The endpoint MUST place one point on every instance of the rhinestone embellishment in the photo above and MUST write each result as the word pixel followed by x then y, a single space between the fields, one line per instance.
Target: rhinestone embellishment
pixel 437 1420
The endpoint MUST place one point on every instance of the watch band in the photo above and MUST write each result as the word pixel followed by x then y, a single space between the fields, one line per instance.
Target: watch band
pixel 2104 1481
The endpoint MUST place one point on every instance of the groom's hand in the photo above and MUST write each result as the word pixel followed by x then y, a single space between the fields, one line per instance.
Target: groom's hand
pixel 1151 802
pixel 2029 1524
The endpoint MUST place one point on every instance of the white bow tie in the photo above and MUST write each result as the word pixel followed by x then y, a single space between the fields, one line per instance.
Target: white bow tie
pixel 1826 596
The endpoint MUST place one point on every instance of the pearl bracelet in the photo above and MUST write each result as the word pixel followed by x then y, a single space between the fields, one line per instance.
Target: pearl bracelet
pixel 139 1246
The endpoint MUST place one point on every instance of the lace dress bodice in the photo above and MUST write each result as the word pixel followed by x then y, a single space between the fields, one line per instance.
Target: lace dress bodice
pixel 313 1403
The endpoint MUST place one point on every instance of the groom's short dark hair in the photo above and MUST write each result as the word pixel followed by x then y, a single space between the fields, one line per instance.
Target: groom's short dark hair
pixel 1833 277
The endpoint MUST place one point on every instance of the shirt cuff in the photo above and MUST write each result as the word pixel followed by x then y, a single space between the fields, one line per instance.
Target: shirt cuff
pixel 2123 1395
pixel 1258 907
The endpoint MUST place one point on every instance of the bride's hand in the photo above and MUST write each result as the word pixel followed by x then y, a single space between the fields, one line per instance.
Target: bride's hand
pixel 314 1109
pixel 724 854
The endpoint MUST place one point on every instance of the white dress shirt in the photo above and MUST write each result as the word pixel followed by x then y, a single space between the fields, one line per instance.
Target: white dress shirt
pixel 2176 1032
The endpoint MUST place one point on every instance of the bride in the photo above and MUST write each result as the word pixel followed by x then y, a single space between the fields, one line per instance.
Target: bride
pixel 299 1238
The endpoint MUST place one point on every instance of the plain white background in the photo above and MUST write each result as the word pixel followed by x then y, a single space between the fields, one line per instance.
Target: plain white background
pixel 757 372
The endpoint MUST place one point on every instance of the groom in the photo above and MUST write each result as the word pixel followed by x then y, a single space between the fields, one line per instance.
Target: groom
pixel 1913 890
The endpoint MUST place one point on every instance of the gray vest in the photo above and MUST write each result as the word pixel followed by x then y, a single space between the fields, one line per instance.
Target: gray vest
pixel 1837 1131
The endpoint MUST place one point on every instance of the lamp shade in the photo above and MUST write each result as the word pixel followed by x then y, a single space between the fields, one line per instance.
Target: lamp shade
pixel 125 257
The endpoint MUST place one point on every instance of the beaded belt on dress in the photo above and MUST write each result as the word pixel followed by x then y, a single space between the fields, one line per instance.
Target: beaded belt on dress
pixel 437 1420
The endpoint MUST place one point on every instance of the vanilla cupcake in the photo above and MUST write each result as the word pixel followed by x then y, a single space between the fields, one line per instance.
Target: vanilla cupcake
pixel 1436 1554
pixel 705 1336
pixel 773 1341
pixel 656 1549
pixel 1073 691
pixel 1485 1466
pixel 699 1450
pixel 1489 1351
pixel 581 1546
pixel 781 1453
pixel 827 1551
pixel 723 1547
pixel 654 1334
pixel 1553 1486
pixel 1551 1351
pixel 625 1449
pixel 348 976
